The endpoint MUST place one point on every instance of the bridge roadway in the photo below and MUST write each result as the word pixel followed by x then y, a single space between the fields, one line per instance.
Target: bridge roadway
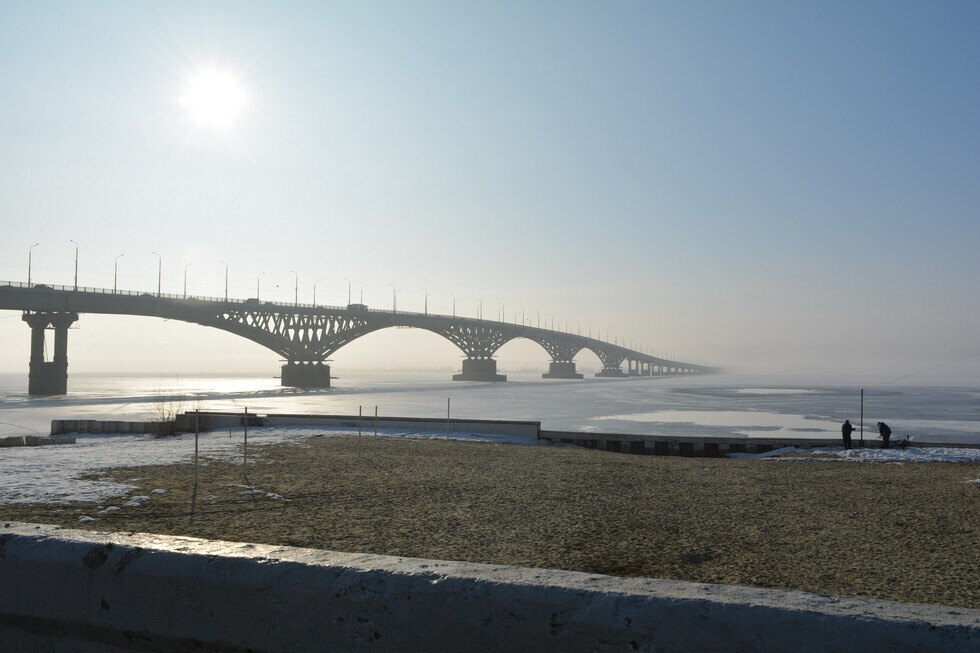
pixel 305 335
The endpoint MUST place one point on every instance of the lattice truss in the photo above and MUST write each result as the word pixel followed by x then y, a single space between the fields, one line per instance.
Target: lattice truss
pixel 313 337
pixel 477 340
pixel 562 349
pixel 611 357
pixel 297 337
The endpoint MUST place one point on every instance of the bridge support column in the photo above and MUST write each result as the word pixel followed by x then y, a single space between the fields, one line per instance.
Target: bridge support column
pixel 562 370
pixel 49 377
pixel 305 375
pixel 611 372
pixel 634 368
pixel 479 369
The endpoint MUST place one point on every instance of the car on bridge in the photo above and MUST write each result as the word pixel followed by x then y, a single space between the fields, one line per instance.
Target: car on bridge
pixel 357 307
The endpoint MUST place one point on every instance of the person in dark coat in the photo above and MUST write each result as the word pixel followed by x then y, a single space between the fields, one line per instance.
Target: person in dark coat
pixel 884 433
pixel 846 429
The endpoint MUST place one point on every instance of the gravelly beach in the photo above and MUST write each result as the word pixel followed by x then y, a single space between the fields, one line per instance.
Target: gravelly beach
pixel 905 532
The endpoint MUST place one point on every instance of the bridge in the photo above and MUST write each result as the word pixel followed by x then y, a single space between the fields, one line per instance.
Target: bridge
pixel 304 335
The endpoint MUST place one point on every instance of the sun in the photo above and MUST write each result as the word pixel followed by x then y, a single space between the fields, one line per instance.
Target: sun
pixel 214 98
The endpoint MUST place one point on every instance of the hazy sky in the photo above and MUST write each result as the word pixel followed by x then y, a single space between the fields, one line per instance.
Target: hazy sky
pixel 766 186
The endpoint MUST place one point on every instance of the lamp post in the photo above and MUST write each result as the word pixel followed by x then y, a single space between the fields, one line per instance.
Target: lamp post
pixel 115 272
pixel 394 298
pixel 159 271
pixel 479 309
pixel 226 279
pixel 426 300
pixel 314 291
pixel 30 254
pixel 76 264
pixel 258 280
pixel 185 278
pixel 503 314
pixel 454 304
pixel 348 290
pixel 296 288
pixel 552 321
pixel 362 293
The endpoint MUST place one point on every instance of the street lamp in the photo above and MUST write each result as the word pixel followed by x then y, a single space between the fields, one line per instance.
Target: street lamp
pixel 30 253
pixel 394 298
pixel 159 271
pixel 257 280
pixel 226 279
pixel 503 314
pixel 185 278
pixel 314 291
pixel 115 270
pixel 76 263
pixel 454 304
pixel 362 293
pixel 479 310
pixel 426 300
pixel 296 295
pixel 348 290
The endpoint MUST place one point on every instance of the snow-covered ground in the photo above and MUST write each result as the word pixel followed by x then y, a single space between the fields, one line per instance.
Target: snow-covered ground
pixel 51 474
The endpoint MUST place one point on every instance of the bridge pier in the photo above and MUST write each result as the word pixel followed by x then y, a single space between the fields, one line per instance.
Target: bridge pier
pixel 562 370
pixel 479 369
pixel 305 375
pixel 611 372
pixel 49 377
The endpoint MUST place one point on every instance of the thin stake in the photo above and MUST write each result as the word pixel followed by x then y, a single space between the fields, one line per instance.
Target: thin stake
pixel 375 421
pixel 245 448
pixel 360 418
pixel 448 399
pixel 194 495
pixel 862 417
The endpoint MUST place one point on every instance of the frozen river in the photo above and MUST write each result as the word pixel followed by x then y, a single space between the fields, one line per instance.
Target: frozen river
pixel 932 411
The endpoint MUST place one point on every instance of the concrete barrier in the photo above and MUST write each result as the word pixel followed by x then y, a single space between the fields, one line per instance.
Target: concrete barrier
pixel 216 420
pixel 33 441
pixel 67 590
pixel 63 426
pixel 701 446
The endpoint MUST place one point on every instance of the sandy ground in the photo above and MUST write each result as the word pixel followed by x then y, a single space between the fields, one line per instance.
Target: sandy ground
pixel 905 532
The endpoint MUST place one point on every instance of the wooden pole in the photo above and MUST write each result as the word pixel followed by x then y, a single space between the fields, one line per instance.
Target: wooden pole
pixel 862 417
pixel 196 433
pixel 245 447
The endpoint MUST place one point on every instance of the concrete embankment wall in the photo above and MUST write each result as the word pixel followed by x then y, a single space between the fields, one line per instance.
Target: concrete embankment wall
pixel 86 591
pixel 32 441
pixel 61 426
pixel 703 446
pixel 678 446
pixel 451 426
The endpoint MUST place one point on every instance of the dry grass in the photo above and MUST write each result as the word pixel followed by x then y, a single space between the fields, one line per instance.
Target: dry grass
pixel 902 532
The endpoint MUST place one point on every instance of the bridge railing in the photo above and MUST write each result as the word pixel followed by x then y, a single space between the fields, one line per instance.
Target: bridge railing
pixel 148 294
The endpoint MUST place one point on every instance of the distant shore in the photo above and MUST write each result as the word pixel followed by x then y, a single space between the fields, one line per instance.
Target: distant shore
pixel 904 532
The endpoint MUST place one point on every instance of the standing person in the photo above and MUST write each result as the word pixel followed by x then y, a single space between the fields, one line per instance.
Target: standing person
pixel 846 430
pixel 884 433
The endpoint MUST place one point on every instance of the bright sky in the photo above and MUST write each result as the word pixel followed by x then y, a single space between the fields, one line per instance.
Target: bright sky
pixel 765 186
